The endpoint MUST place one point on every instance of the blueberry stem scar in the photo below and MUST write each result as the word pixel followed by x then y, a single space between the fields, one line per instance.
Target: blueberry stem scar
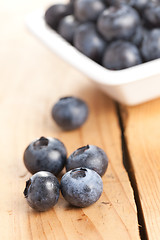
pixel 28 183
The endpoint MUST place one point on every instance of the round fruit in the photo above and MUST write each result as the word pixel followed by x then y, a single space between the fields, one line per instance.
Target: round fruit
pixel 150 48
pixel 56 12
pixel 89 156
pixel 121 54
pixel 45 154
pixel 151 14
pixel 42 191
pixel 67 27
pixel 118 22
pixel 70 112
pixel 88 41
pixel 81 187
pixel 88 10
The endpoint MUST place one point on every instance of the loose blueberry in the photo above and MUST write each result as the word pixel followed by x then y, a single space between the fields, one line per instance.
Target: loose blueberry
pixel 81 187
pixel 67 27
pixel 89 156
pixel 121 54
pixel 88 41
pixel 151 45
pixel 151 14
pixel 56 12
pixel 118 22
pixel 42 191
pixel 45 154
pixel 88 10
pixel 70 112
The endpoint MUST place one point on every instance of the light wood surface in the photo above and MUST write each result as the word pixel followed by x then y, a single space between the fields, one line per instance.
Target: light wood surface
pixel 142 133
pixel 32 79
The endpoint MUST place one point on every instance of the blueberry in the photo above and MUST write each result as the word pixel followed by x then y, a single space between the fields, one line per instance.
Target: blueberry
pixel 45 154
pixel 70 112
pixel 118 22
pixel 117 2
pixel 138 4
pixel 56 12
pixel 138 36
pixel 150 48
pixel 67 27
pixel 88 41
pixel 121 54
pixel 151 14
pixel 81 187
pixel 42 191
pixel 89 156
pixel 88 10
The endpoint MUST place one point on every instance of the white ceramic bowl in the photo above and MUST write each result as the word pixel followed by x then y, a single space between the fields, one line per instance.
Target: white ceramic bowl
pixel 130 86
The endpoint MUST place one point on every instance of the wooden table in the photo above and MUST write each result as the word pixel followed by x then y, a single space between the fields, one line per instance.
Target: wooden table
pixel 32 79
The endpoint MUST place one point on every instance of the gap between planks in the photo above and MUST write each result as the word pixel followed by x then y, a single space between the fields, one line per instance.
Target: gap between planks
pixel 129 169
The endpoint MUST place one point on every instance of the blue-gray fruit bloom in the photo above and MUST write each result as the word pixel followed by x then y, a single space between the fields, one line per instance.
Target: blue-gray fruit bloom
pixel 89 156
pixel 121 54
pixel 118 22
pixel 45 154
pixel 70 112
pixel 42 191
pixel 81 187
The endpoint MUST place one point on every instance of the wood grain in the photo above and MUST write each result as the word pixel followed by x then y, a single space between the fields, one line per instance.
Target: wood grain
pixel 142 133
pixel 32 79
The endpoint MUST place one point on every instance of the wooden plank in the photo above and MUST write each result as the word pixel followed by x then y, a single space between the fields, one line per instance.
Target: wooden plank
pixel 32 79
pixel 142 133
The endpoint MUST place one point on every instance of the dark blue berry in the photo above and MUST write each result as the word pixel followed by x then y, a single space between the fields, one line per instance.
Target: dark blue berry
pixel 56 12
pixel 88 41
pixel 121 54
pixel 118 22
pixel 137 38
pixel 42 191
pixel 117 2
pixel 137 4
pixel 67 27
pixel 70 112
pixel 88 10
pixel 151 14
pixel 150 48
pixel 81 187
pixel 45 154
pixel 89 156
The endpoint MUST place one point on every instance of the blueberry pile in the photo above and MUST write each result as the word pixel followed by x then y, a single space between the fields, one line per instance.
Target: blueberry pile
pixel 117 34
pixel 81 185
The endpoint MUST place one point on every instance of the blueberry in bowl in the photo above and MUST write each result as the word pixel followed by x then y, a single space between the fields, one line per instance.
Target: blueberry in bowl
pixel 88 41
pixel 70 112
pixel 118 22
pixel 81 187
pixel 56 12
pixel 151 14
pixel 120 55
pixel 89 156
pixel 88 10
pixel 150 47
pixel 67 27
pixel 42 191
pixel 137 4
pixel 45 154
